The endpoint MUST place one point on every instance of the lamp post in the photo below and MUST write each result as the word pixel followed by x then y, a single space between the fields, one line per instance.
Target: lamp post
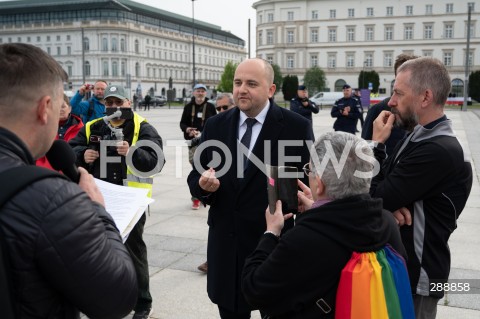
pixel 193 41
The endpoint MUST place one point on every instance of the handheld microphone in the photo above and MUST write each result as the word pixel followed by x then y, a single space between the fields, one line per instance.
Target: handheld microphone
pixel 108 118
pixel 62 158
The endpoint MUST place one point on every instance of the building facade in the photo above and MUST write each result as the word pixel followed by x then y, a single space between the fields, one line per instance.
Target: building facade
pixel 344 37
pixel 124 42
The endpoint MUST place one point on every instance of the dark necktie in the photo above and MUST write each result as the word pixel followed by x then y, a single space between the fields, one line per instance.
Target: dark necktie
pixel 247 137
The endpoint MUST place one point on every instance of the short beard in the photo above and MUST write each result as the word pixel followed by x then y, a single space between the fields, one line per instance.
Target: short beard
pixel 407 121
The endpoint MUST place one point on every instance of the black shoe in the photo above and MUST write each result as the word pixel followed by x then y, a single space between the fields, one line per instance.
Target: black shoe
pixel 143 314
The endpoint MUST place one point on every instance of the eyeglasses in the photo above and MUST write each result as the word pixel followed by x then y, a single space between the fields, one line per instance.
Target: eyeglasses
pixel 222 107
pixel 307 170
pixel 117 102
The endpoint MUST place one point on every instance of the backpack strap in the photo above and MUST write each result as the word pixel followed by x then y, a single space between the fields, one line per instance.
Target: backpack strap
pixel 90 110
pixel 13 181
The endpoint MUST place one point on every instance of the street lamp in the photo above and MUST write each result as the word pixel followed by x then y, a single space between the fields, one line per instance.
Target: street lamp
pixel 193 40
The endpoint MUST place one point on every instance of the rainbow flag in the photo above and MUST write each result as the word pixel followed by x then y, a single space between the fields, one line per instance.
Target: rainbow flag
pixel 374 285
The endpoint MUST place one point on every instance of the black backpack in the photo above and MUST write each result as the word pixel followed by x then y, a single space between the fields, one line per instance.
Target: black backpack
pixel 13 181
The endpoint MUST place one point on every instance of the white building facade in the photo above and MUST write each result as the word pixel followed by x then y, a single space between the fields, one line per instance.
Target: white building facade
pixel 124 42
pixel 344 37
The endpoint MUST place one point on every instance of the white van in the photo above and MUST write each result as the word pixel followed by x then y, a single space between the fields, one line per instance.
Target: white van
pixel 326 98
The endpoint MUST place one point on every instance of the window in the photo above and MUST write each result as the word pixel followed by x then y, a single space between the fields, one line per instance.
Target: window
pixel 472 5
pixel 409 10
pixel 332 35
pixel 350 60
pixel 104 44
pixel 388 59
pixel 290 37
pixel 59 51
pixel 114 68
pixel 137 48
pixel 447 58
pixel 48 38
pixel 448 31
pixel 290 62
pixel 290 16
pixel 270 59
pixel 350 34
pixel 472 29
pixel 260 19
pixel 122 45
pixel 269 37
pixel 69 50
pixel 332 60
pixel 369 35
pixel 38 38
pixel 314 15
pixel 137 69
pixel 270 17
pixel 408 34
pixel 313 60
pixel 49 50
pixel 114 45
pixel 314 35
pixel 69 70
pixel 105 68
pixel 449 8
pixel 389 11
pixel 87 68
pixel 122 68
pixel 368 63
pixel 58 38
pixel 68 37
pixel 260 38
pixel 351 13
pixel 428 31
pixel 388 33
pixel 427 53
pixel 333 14
pixel 428 9
pixel 29 39
pixel 86 44
pixel 369 12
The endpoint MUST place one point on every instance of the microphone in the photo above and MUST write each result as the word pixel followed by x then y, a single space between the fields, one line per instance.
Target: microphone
pixel 114 115
pixel 62 158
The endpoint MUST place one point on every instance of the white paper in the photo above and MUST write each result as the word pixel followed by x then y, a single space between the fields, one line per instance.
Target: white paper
pixel 125 204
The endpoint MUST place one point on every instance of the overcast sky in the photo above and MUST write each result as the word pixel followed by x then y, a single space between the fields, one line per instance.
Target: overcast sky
pixel 230 15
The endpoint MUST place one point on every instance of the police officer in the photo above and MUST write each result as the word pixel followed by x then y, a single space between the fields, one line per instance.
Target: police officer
pixel 346 112
pixel 302 105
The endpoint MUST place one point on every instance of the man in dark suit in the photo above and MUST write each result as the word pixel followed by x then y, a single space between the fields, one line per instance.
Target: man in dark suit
pixel 238 197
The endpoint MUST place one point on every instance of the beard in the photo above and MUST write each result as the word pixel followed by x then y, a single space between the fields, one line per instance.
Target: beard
pixel 406 121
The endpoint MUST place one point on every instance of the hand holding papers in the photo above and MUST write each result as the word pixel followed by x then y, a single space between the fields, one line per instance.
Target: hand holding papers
pixel 125 204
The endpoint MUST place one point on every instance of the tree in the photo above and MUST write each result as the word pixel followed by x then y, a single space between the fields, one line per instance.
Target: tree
pixel 314 80
pixel 226 80
pixel 277 77
pixel 366 77
pixel 289 87
pixel 474 85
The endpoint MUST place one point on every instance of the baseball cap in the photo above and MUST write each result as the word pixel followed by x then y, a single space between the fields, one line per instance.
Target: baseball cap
pixel 199 86
pixel 302 88
pixel 116 91
pixel 346 86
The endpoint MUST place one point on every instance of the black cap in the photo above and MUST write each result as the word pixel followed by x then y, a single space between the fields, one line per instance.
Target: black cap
pixel 346 86
pixel 302 88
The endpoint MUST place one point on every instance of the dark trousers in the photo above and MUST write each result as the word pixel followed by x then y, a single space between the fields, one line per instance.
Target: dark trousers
pixel 146 105
pixel 227 314
pixel 138 251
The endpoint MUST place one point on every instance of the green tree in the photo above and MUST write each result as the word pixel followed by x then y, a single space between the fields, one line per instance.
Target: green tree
pixel 314 80
pixel 474 85
pixel 277 77
pixel 289 87
pixel 366 77
pixel 226 80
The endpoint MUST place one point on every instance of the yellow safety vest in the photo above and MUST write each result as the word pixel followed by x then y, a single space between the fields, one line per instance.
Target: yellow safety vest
pixel 132 180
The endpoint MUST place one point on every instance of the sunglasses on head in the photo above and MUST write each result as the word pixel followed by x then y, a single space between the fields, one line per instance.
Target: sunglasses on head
pixel 220 107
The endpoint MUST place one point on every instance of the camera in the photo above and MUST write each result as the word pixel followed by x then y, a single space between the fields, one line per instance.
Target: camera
pixel 88 86
pixel 305 99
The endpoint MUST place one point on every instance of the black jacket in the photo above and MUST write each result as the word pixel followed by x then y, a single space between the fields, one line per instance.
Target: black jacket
pixel 346 123
pixel 144 159
pixel 65 251
pixel 197 120
pixel 285 277
pixel 306 111
pixel 236 217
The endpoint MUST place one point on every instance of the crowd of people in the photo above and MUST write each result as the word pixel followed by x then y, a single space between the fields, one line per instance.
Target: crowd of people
pixel 61 250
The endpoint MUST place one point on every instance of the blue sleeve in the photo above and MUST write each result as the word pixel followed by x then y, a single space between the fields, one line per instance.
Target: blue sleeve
pixel 79 107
